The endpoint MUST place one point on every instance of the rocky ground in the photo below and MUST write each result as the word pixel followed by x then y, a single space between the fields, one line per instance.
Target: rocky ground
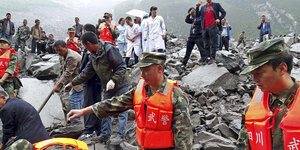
pixel 217 93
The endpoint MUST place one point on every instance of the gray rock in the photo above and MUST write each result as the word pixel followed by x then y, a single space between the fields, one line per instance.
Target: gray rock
pixel 230 116
pixel 226 131
pixel 246 99
pixel 236 125
pixel 34 92
pixel 211 123
pixel 46 70
pixel 203 76
pixel 295 50
pixel 197 147
pixel 227 81
pixel 73 131
pixel 221 92
pixel 212 141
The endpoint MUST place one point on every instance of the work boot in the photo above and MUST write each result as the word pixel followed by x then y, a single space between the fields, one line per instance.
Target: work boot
pixel 101 138
pixel 116 141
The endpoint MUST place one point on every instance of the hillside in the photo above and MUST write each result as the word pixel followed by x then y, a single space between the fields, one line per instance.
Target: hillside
pixel 241 14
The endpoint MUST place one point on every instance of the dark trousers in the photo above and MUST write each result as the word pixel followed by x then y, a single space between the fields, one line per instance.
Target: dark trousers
pixel 136 58
pixel 33 45
pixel 41 48
pixel 209 36
pixel 92 94
pixel 190 45
pixel 225 42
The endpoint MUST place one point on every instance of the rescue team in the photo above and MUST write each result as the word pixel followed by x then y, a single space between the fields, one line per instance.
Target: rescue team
pixel 161 108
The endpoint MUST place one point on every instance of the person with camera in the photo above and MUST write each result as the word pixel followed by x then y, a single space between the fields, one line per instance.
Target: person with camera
pixel 108 31
pixel 72 41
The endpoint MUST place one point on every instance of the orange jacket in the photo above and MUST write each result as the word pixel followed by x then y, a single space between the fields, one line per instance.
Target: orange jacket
pixel 71 45
pixel 4 63
pixel 105 34
pixel 154 116
pixel 259 128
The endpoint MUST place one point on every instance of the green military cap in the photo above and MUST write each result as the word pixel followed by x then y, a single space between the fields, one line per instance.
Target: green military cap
pixel 149 58
pixel 71 29
pixel 5 40
pixel 21 144
pixel 264 52
pixel 107 15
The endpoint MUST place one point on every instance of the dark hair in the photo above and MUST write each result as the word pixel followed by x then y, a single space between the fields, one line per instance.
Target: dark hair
pixel 60 43
pixel 263 16
pixel 288 60
pixel 76 18
pixel 128 18
pixel 89 27
pixel 191 9
pixel 51 35
pixel 36 20
pixel 8 14
pixel 43 32
pixel 120 20
pixel 152 8
pixel 89 37
pixel 25 20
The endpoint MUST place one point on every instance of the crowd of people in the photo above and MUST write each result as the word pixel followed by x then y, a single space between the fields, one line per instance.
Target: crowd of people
pixel 95 81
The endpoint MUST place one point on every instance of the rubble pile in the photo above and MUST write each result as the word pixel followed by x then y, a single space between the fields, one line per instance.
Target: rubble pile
pixel 217 93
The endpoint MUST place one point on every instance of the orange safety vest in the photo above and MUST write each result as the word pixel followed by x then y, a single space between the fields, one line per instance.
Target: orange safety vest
pixel 105 34
pixel 154 126
pixel 4 63
pixel 72 46
pixel 258 118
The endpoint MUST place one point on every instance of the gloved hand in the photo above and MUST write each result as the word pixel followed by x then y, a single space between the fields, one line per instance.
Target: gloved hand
pixel 110 85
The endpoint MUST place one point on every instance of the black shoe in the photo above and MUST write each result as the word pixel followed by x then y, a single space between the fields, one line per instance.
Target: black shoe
pixel 101 138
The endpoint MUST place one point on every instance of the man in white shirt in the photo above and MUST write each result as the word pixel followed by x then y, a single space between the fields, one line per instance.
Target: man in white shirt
pixel 132 33
pixel 156 30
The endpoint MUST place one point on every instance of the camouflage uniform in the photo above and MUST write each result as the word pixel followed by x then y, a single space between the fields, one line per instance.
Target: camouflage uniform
pixel 8 84
pixel 241 39
pixel 21 144
pixel 274 102
pixel 22 36
pixel 258 56
pixel 181 124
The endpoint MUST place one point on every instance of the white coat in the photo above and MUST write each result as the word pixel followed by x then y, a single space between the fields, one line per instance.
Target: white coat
pixel 136 45
pixel 155 28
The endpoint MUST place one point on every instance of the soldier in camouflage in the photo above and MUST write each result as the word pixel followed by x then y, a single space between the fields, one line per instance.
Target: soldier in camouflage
pixel 9 80
pixel 151 65
pixel 270 66
pixel 23 34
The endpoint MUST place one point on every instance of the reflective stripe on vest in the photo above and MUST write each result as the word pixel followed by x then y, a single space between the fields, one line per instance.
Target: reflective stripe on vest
pixel 257 121
pixel 105 34
pixel 72 46
pixel 4 63
pixel 154 126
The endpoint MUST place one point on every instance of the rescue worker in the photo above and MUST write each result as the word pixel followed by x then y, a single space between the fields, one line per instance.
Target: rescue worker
pixel 106 61
pixel 108 31
pixel 161 108
pixel 271 121
pixel 23 34
pixel 9 66
pixel 72 41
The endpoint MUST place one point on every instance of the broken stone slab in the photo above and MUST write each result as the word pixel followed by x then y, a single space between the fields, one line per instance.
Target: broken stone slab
pixel 34 91
pixel 197 147
pixel 211 123
pixel 225 131
pixel 204 76
pixel 230 116
pixel 236 125
pixel 211 141
pixel 227 81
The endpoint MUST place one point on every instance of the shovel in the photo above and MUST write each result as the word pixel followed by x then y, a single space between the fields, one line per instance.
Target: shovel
pixel 45 101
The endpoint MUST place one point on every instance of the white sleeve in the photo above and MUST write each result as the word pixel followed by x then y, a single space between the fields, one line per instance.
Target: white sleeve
pixel 162 25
